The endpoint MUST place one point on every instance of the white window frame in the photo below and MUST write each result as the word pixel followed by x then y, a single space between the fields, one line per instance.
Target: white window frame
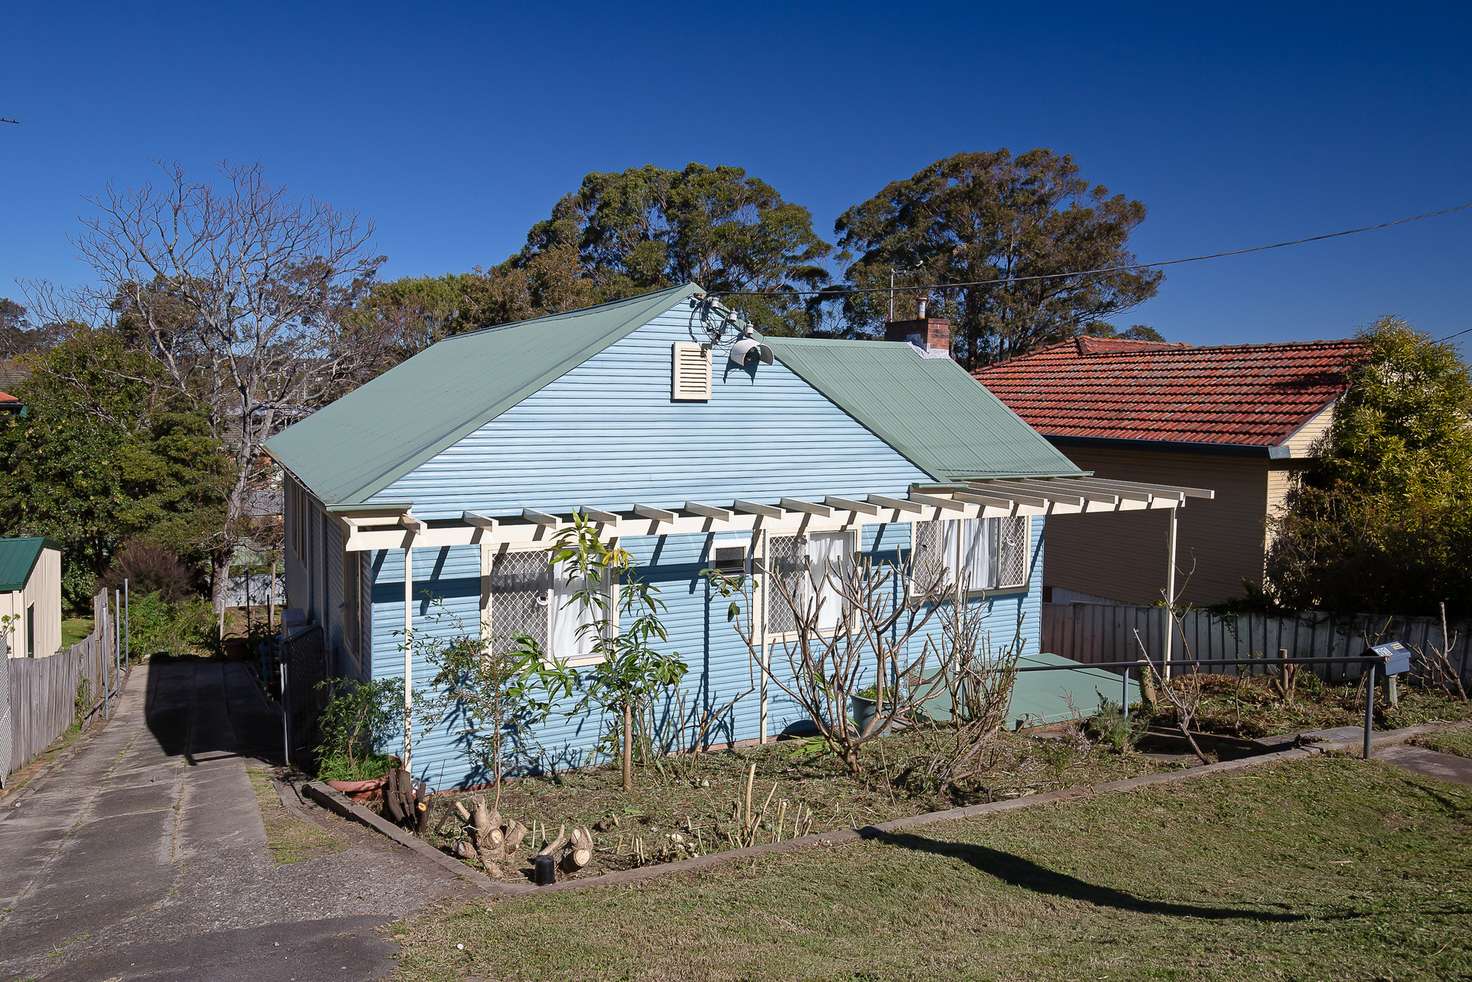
pixel 775 597
pixel 546 603
pixel 948 588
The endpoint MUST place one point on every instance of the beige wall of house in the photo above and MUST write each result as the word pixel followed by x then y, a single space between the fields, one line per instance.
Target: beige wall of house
pixel 1123 557
pixel 40 598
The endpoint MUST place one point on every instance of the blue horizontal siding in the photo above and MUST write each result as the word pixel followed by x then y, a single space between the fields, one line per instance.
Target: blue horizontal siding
pixel 607 435
pixel 695 618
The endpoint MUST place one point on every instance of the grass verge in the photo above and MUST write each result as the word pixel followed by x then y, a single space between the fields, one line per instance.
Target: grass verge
pixel 1330 867
pixel 1457 740
pixel 74 629
pixel 291 839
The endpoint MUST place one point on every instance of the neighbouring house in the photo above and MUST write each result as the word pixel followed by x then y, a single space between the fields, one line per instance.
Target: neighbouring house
pixel 1240 419
pixel 12 373
pixel 426 499
pixel 30 596
pixel 9 403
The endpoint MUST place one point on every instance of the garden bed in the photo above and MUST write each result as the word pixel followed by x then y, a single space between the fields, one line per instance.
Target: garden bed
pixel 697 804
pixel 1253 707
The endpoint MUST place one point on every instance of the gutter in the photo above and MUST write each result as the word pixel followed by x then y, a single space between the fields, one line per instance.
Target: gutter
pixel 1272 452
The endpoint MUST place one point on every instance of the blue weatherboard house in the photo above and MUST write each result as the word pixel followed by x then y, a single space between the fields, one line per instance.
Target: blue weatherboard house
pixel 426 499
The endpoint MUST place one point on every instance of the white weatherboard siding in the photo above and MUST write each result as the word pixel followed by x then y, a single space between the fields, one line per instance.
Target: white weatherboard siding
pixel 607 435
pixel 41 596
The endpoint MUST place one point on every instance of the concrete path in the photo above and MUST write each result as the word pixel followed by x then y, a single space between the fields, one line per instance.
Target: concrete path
pixel 144 856
pixel 1445 767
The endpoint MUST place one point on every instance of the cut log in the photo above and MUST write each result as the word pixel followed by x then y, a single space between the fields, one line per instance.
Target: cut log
pixel 550 849
pixel 515 832
pixel 580 850
pixel 486 830
pixel 463 812
pixel 421 809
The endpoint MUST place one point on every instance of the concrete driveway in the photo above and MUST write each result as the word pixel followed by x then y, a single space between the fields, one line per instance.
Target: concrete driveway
pixel 144 855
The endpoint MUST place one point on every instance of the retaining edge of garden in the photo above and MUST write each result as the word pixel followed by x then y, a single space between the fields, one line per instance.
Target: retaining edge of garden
pixel 1301 746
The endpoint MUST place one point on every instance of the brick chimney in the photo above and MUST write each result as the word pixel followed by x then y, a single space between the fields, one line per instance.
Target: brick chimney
pixel 932 335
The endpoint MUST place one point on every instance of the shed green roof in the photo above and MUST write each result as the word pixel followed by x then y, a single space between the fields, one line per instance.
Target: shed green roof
pixel 928 409
pixel 355 447
pixel 18 557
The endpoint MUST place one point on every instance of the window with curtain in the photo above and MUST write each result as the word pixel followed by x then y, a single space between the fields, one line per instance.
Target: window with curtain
pixel 982 553
pixel 809 567
pixel 529 597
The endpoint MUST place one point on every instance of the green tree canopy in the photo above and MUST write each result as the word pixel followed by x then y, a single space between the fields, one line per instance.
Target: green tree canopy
pixel 647 228
pixel 1380 521
pixel 992 216
pixel 106 454
pixel 1135 332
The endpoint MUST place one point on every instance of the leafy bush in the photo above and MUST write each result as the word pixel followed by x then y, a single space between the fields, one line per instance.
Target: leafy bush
pixel 1110 727
pixel 358 719
pixel 160 627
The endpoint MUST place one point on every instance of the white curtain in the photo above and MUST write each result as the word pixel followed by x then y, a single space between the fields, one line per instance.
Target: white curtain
pixel 977 552
pixel 828 554
pixel 567 615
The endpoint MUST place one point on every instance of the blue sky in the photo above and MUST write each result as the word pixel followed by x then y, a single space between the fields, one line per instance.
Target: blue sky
pixel 453 127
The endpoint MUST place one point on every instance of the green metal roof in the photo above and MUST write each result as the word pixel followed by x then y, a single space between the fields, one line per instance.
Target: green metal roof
pixel 360 444
pixel 928 409
pixel 17 559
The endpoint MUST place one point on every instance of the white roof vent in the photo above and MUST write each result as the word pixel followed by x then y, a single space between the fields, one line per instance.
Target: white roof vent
pixel 690 373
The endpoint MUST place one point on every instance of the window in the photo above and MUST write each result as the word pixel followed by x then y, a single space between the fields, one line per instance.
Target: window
pixel 352 618
pixel 30 630
pixel 988 554
pixel 529 597
pixel 810 567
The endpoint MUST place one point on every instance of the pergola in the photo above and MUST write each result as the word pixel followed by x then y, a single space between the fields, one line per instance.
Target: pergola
pixel 393 525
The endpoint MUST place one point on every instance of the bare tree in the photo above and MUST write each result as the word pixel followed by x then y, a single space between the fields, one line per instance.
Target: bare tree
pixel 238 291
pixel 903 640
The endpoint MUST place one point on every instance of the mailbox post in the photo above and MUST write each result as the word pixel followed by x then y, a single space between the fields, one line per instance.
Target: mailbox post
pixel 1392 658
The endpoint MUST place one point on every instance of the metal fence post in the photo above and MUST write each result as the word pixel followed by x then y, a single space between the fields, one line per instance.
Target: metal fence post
pixel 1124 695
pixel 127 632
pixel 1369 706
pixel 285 719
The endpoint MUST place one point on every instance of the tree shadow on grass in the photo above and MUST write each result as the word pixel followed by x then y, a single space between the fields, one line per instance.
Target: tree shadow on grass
pixel 1028 875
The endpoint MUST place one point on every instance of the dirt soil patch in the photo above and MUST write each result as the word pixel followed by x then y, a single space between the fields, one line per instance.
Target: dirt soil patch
pixel 290 837
pixel 695 804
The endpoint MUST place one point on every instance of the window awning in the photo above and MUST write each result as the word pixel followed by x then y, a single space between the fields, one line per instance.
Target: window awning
pixel 395 526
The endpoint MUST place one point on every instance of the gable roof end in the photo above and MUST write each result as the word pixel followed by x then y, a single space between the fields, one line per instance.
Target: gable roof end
pixel 355 447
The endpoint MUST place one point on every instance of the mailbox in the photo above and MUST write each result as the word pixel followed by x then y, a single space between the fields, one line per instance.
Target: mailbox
pixel 1395 658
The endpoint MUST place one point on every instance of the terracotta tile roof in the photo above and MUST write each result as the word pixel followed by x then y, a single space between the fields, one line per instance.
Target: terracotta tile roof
pixel 1252 395
pixel 6 399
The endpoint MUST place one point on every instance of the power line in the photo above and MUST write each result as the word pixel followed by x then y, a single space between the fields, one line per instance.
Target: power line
pixel 1454 334
pixel 1128 267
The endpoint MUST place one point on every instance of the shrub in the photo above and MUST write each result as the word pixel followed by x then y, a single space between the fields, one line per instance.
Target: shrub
pixel 358 719
pixel 149 568
pixel 158 627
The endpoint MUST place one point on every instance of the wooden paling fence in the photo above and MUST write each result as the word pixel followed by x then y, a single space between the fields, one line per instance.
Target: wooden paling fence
pixel 44 696
pixel 1093 633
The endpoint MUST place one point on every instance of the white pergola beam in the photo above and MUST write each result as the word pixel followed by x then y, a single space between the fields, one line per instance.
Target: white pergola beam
pixel 1070 487
pixel 411 523
pixel 811 507
pixel 709 511
pixel 540 518
pixel 478 520
pixel 935 501
pixel 1026 494
pixel 661 515
pixel 599 514
pixel 898 504
pixel 849 504
pixel 756 508
pixel 977 498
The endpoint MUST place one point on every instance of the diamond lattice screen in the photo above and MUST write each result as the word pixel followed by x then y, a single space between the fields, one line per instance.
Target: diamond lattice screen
pixel 1012 552
pixel 785 559
pixel 519 585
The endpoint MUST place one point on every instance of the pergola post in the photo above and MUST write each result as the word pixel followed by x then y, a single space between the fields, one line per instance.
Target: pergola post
pixel 1170 591
pixel 761 590
pixel 409 653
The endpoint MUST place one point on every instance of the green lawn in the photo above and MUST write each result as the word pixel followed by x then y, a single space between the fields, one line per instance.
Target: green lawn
pixel 74 629
pixel 1457 740
pixel 1324 868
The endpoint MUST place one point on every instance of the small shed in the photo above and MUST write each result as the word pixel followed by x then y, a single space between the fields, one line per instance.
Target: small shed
pixel 30 596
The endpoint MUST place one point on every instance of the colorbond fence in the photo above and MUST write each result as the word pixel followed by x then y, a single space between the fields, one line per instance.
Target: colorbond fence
pixel 1093 633
pixel 41 695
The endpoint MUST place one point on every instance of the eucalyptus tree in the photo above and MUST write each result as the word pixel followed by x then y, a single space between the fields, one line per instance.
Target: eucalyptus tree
pixel 1013 225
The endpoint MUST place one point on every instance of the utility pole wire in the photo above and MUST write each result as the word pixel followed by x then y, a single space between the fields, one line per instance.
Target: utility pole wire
pixel 7 119
pixel 1125 268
